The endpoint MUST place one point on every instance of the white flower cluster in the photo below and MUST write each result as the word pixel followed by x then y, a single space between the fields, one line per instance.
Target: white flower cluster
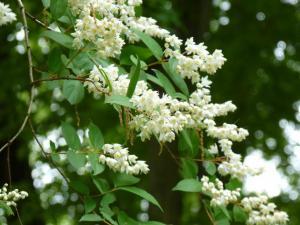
pixel 219 195
pixel 104 33
pixel 10 198
pixel 6 15
pixel 197 58
pixel 106 23
pixel 233 164
pixel 228 131
pixel 263 213
pixel 163 116
pixel 260 211
pixel 103 22
pixel 118 159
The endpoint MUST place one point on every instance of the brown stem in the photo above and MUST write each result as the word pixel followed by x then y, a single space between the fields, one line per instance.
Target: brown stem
pixel 37 21
pixel 157 62
pixel 82 79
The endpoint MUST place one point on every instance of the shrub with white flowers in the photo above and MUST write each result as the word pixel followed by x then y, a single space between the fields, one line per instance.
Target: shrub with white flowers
pixel 163 95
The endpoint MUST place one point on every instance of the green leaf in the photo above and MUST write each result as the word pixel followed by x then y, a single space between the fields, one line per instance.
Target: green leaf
pixel 101 184
pixel 123 179
pixel 127 51
pixel 108 199
pixel 135 60
pixel 52 146
pixel 89 205
pixel 96 165
pixel 53 84
pixel 221 213
pixel 107 213
pixel 77 160
pixel 124 219
pixel 210 167
pixel 170 68
pixel 239 214
pixel 153 223
pixel 150 43
pixel 188 185
pixel 143 194
pixel 55 157
pixel 233 184
pixel 188 144
pixel 96 136
pixel 60 38
pixel 79 62
pixel 8 211
pixel 154 80
pixel 46 3
pixel 167 85
pixel 80 186
pixel 73 91
pixel 70 136
pixel 119 100
pixel 54 61
pixel 58 8
pixel 91 218
pixel 189 168
pixel 223 222
pixel 134 78
pixel 180 96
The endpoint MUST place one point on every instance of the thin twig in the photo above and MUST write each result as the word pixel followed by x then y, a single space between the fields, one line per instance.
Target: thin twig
pixel 172 155
pixel 81 79
pixel 30 65
pixel 157 63
pixel 8 166
pixel 209 214
pixel 34 19
pixel 74 56
pixel 18 215
pixel 45 154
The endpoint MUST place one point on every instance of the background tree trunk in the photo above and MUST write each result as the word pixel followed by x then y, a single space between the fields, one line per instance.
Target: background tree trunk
pixel 195 16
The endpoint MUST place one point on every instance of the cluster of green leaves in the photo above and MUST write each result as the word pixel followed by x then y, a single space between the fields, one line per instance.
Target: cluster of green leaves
pixel 99 186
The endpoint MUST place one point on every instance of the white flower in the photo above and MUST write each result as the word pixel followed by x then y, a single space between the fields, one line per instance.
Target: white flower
pixel 219 195
pixel 118 159
pixel 6 15
pixel 11 198
pixel 261 212
pixel 213 149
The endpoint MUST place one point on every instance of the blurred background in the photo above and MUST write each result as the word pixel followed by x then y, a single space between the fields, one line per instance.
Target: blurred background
pixel 260 39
